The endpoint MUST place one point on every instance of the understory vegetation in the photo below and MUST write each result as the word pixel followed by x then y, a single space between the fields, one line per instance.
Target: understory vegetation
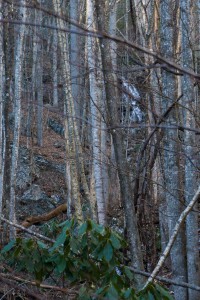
pixel 87 256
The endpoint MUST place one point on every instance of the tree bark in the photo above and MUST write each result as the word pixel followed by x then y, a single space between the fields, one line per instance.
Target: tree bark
pixel 2 128
pixel 113 100
pixel 96 96
pixel 171 155
pixel 17 113
pixel 193 262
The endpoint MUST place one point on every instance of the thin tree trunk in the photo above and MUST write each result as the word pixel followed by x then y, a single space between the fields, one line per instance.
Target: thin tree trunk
pixel 193 262
pixel 171 155
pixel 17 112
pixel 113 98
pixel 96 94
pixel 75 57
pixel 55 68
pixel 9 54
pixel 39 79
pixel 2 132
pixel 70 122
pixel 32 99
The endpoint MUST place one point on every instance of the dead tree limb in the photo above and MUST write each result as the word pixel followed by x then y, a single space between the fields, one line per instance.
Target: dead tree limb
pixel 173 237
pixel 45 217
pixel 21 288
pixel 31 232
pixel 166 280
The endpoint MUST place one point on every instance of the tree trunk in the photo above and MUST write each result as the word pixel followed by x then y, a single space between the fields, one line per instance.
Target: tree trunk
pixel 171 155
pixel 2 129
pixel 193 266
pixel 39 79
pixel 75 58
pixel 113 99
pixel 17 113
pixel 96 96
pixel 55 68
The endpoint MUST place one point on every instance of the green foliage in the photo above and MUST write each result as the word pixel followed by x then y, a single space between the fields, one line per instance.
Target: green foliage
pixel 88 253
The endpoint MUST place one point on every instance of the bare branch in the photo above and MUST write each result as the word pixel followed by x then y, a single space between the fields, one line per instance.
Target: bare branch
pixel 97 34
pixel 173 237
pixel 37 235
pixel 166 280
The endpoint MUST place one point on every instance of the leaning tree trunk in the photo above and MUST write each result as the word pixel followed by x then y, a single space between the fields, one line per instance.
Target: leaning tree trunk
pixel 17 113
pixel 171 155
pixel 193 266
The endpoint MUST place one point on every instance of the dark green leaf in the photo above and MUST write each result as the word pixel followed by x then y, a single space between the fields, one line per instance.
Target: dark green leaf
pixel 153 290
pixel 8 247
pixel 66 224
pixel 112 293
pixel 60 241
pixel 61 265
pixel 128 273
pixel 42 245
pixel 130 294
pixel 115 241
pixel 151 296
pixel 165 294
pixel 108 252
pixel 75 246
pixel 98 228
pixel 83 294
pixel 17 251
pixel 101 290
pixel 83 228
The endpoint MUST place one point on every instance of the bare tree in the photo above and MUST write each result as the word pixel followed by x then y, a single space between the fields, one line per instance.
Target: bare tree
pixel 2 129
pixel 171 162
pixel 96 96
pixel 193 262
pixel 113 99
pixel 17 113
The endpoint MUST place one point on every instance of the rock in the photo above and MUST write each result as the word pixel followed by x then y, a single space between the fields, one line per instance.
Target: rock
pixel 56 200
pixel 59 145
pixel 43 163
pixel 56 155
pixel 31 199
pixel 56 126
pixel 34 201
pixel 34 193
pixel 25 170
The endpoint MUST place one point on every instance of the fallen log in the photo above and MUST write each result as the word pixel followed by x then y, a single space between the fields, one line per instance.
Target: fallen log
pixel 32 220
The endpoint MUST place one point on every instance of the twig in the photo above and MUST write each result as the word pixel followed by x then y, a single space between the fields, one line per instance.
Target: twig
pixel 21 288
pixel 161 119
pixel 38 235
pixel 44 286
pixel 97 34
pixel 166 280
pixel 173 237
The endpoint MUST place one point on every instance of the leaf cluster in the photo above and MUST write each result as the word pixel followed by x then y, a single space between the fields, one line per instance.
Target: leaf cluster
pixel 86 254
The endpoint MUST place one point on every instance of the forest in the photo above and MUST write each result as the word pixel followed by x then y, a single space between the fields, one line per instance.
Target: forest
pixel 99 149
